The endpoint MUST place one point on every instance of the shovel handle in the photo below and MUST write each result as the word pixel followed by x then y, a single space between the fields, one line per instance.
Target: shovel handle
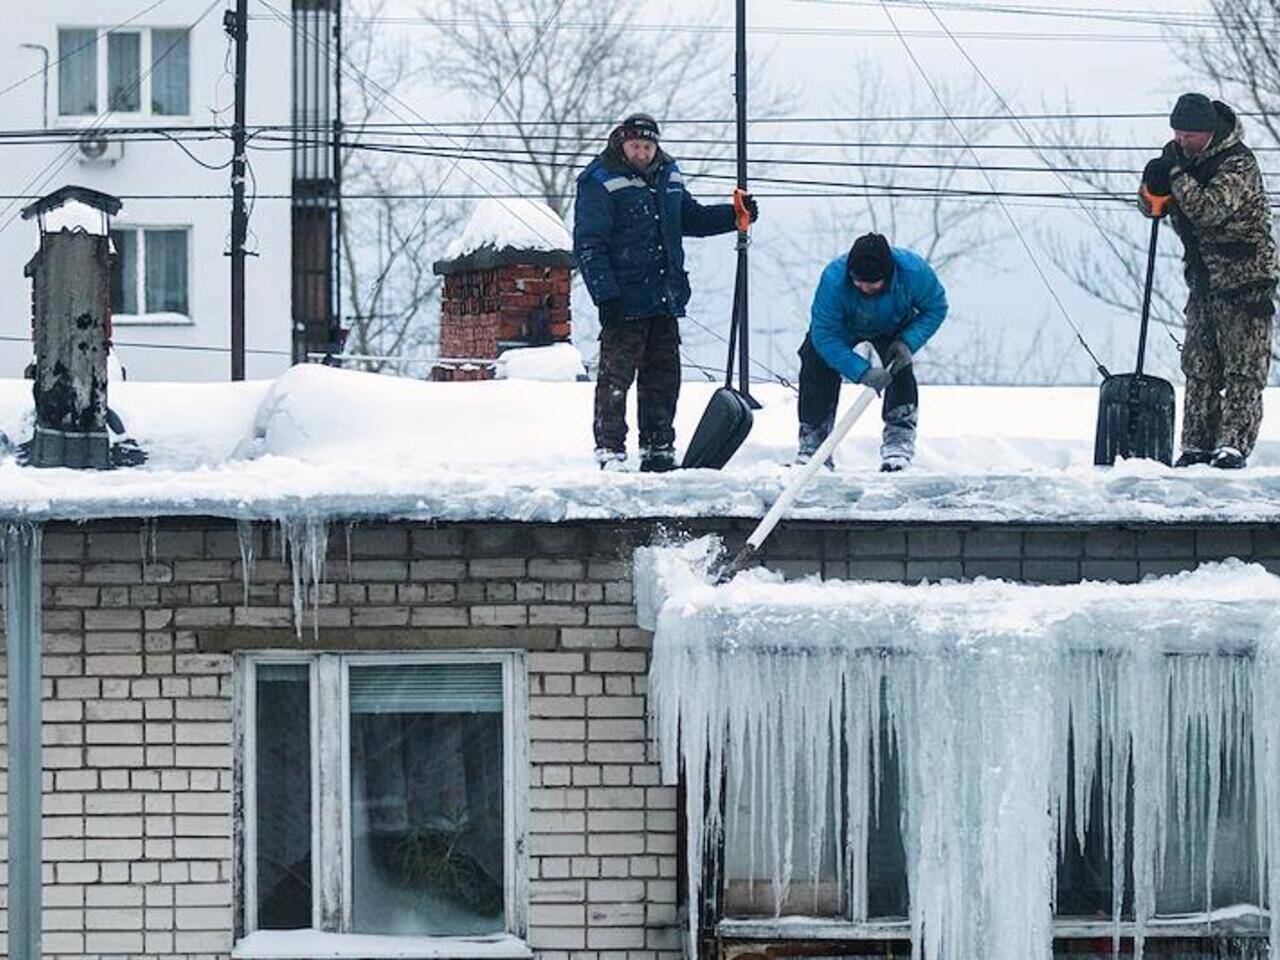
pixel 806 472
pixel 1146 295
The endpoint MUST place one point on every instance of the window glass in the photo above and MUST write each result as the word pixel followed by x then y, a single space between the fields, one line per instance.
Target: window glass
pixel 124 72
pixel 283 796
pixel 427 787
pixel 77 72
pixel 124 272
pixel 170 73
pixel 166 273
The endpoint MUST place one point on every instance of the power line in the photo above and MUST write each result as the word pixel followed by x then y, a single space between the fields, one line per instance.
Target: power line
pixel 1013 223
pixel 826 32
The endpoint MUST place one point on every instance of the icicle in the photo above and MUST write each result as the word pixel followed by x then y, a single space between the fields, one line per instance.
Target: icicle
pixel 306 541
pixel 248 560
pixel 348 528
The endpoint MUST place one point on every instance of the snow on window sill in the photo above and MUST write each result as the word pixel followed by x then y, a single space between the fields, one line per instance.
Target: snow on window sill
pixel 316 945
pixel 152 320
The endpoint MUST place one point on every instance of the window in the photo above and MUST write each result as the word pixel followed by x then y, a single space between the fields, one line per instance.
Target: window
pixel 77 72
pixel 147 72
pixel 149 274
pixel 170 69
pixel 381 794
pixel 820 827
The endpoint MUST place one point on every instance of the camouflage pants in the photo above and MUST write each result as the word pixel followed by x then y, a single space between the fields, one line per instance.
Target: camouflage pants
pixel 1226 360
pixel 652 347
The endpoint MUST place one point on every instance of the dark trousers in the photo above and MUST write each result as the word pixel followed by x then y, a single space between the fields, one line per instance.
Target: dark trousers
pixel 820 386
pixel 651 347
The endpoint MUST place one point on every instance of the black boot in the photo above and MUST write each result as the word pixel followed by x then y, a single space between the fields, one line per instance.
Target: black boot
pixel 1191 458
pixel 1228 458
pixel 657 459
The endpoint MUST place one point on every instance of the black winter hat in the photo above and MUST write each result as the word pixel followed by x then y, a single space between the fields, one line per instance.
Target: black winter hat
pixel 638 126
pixel 1195 113
pixel 870 259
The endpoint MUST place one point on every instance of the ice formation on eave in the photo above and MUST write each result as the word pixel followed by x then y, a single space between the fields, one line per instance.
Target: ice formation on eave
pixel 980 688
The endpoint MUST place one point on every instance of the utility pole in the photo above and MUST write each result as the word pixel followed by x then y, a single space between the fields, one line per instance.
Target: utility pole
pixel 740 97
pixel 237 27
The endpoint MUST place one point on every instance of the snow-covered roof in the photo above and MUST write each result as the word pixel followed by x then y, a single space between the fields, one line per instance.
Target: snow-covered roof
pixel 511 224
pixel 326 442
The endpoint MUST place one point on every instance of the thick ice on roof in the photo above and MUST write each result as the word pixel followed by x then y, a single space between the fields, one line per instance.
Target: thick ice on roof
pixel 781 697
pixel 333 443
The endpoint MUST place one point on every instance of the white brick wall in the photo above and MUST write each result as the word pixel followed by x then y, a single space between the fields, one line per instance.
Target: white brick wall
pixel 138 727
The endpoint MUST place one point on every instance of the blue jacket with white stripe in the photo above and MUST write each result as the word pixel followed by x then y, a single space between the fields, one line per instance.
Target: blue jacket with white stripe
pixel 628 232
pixel 911 309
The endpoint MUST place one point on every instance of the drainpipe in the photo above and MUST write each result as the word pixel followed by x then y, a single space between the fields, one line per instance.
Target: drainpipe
pixel 23 645
pixel 45 70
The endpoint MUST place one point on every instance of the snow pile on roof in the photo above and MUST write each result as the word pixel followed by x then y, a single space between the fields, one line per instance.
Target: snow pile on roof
pixel 785 695
pixel 559 361
pixel 511 224
pixel 329 442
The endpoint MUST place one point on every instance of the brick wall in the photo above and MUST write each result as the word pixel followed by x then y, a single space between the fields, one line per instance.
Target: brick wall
pixel 482 309
pixel 140 626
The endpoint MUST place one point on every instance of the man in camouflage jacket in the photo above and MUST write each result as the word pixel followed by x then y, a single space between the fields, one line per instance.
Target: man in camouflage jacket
pixel 1220 209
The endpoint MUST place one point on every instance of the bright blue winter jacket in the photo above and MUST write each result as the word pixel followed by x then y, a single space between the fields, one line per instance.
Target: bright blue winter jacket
pixel 911 310
pixel 627 234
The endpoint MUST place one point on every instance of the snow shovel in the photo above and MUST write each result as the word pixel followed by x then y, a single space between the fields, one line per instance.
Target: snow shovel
pixel 728 418
pixel 765 527
pixel 1135 411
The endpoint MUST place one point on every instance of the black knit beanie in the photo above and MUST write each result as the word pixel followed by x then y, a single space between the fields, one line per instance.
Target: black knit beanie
pixel 1194 113
pixel 638 126
pixel 870 259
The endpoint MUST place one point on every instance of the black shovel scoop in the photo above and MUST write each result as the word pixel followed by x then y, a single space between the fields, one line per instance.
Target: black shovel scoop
pixel 1135 411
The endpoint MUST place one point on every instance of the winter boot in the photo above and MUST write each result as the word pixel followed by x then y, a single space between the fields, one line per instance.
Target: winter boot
pixel 1191 457
pixel 612 461
pixel 658 459
pixel 811 438
pixel 1228 458
pixel 899 443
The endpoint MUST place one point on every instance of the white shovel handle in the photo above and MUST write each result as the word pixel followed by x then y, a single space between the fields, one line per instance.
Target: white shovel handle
pixel 806 472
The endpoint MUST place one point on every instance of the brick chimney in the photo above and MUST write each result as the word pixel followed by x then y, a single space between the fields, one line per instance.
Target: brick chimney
pixel 506 284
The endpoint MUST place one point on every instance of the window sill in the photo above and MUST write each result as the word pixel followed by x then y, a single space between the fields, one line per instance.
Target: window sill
pixel 152 320
pixel 315 945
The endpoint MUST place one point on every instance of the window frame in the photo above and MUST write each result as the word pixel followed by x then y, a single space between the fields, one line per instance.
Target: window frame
pixel 332 861
pixel 102 85
pixel 145 316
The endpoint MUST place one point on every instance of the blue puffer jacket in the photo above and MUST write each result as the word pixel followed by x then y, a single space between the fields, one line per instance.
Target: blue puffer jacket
pixel 911 310
pixel 628 230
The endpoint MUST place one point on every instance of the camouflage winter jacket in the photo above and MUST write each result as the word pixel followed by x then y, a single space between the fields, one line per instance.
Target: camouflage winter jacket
pixel 1222 213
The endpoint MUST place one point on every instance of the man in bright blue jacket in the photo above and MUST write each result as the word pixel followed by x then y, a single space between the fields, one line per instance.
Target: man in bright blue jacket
pixel 630 216
pixel 877 294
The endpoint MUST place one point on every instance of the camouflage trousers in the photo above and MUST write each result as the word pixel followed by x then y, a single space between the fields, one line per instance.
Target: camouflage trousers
pixel 650 347
pixel 1226 359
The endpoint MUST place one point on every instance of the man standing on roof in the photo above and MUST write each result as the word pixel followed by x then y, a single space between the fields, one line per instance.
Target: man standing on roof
pixel 1219 207
pixel 877 294
pixel 630 217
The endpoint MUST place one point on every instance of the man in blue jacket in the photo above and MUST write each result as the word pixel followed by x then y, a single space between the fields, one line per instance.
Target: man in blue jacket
pixel 892 299
pixel 630 217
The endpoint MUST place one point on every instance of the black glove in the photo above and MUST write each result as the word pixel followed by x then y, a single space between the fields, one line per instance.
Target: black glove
pixel 753 208
pixel 611 311
pixel 1155 176
pixel 877 378
pixel 898 353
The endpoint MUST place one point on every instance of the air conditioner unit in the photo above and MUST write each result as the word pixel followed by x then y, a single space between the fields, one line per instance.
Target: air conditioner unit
pixel 97 148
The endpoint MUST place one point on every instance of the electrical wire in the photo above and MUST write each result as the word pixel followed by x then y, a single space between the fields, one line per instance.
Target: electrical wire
pixel 71 53
pixel 1025 134
pixel 1013 223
